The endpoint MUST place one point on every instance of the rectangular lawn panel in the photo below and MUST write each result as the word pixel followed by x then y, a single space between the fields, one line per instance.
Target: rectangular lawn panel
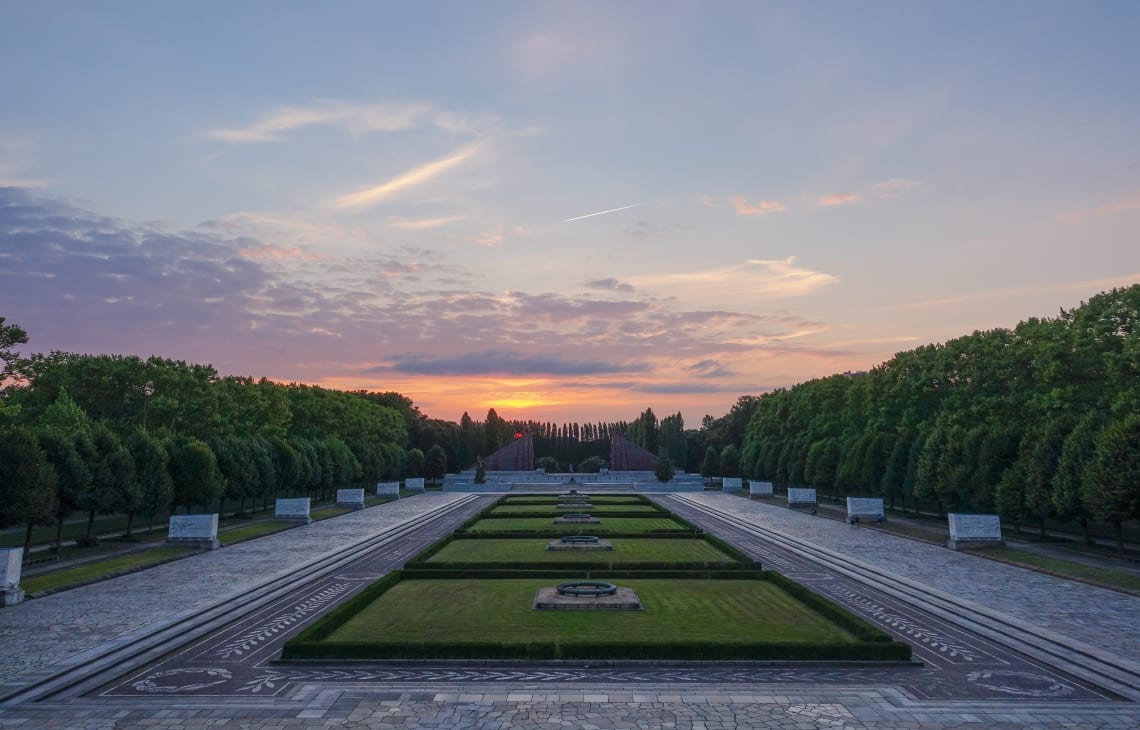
pixel 598 508
pixel 486 553
pixel 683 619
pixel 546 524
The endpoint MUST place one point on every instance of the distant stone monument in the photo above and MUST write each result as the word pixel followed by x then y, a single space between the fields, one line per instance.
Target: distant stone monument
pixel 414 485
pixel 11 560
pixel 628 456
pixel 199 531
pixel 388 489
pixel 515 456
pixel 760 489
pixel 587 595
pixel 972 531
pixel 731 484
pixel 353 498
pixel 579 542
pixel 865 508
pixel 801 497
pixel 292 510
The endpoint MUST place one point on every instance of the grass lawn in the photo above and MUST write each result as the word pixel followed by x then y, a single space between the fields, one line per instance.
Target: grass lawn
pixel 626 550
pixel 456 611
pixel 229 537
pixel 506 509
pixel 596 499
pixel 102 569
pixel 326 512
pixel 545 524
pixel 1067 569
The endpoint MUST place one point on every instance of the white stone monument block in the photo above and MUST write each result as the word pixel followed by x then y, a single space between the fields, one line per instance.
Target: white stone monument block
pixel 197 530
pixel 865 508
pixel 293 510
pixel 760 489
pixel 353 498
pixel 390 489
pixel 416 484
pixel 11 560
pixel 731 484
pixel 973 531
pixel 800 495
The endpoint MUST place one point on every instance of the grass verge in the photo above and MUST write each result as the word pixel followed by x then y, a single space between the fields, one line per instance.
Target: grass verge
pixel 1116 579
pixel 258 529
pixel 82 574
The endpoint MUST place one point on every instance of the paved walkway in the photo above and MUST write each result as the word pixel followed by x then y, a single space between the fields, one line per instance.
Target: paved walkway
pixel 44 631
pixel 1102 618
pixel 39 633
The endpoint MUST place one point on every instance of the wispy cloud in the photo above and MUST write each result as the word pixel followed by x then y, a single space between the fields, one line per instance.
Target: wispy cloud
pixel 838 199
pixel 497 236
pixel 761 207
pixel 499 362
pixel 418 224
pixel 356 118
pixel 1121 205
pixel 1088 285
pixel 412 178
pixel 756 277
pixel 894 188
pixel 609 284
pixel 16 154
pixel 604 212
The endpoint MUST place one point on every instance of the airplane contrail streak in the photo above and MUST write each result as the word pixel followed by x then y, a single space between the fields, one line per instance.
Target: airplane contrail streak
pixel 603 212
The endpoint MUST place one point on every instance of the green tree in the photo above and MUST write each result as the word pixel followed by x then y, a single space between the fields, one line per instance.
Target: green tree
pixel 730 461
pixel 664 469
pixel 73 477
pixel 1113 491
pixel 435 463
pixel 710 467
pixel 194 474
pixel 27 483
pixel 153 488
pixel 415 463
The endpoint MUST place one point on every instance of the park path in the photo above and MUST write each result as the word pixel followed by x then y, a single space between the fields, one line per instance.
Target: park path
pixel 39 633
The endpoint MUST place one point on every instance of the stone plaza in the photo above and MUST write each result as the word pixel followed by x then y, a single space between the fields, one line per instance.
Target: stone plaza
pixel 191 644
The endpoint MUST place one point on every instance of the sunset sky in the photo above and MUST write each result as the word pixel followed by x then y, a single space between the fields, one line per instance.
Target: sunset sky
pixel 565 211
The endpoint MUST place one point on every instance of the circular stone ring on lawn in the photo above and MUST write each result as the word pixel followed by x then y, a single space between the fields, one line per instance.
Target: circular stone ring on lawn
pixel 587 588
pixel 580 539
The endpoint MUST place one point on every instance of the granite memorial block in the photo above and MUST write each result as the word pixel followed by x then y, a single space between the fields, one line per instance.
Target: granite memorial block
pixel 416 484
pixel 389 489
pixel 194 531
pixel 865 508
pixel 968 531
pixel 353 498
pixel 800 496
pixel 11 560
pixel 731 484
pixel 761 489
pixel 292 510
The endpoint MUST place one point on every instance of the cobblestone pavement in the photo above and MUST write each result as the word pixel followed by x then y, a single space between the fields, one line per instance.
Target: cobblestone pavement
pixel 39 633
pixel 42 629
pixel 1102 618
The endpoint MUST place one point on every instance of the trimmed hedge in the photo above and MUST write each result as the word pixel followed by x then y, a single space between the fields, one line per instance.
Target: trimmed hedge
pixel 718 573
pixel 306 648
pixel 583 530
pixel 336 618
pixel 861 629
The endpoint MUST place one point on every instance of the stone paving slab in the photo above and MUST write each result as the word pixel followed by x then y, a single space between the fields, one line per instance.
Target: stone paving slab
pixel 42 632
pixel 541 707
pixel 1102 618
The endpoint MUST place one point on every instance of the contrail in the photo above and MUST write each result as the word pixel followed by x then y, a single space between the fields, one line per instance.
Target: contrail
pixel 611 210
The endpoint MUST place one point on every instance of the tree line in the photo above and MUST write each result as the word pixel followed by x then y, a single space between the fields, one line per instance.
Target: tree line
pixel 1037 422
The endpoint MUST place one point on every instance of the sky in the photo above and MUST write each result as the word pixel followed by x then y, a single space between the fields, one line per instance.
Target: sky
pixel 565 211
